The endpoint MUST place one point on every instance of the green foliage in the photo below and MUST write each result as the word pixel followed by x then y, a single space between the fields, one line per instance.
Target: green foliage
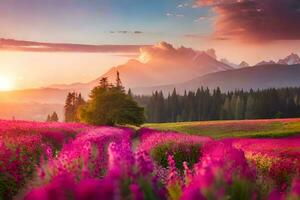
pixel 110 105
pixel 206 104
pixel 174 191
pixel 73 103
pixel 181 152
pixel 239 188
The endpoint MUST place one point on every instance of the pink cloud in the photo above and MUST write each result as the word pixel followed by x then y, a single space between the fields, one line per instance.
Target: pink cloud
pixel 32 46
pixel 255 20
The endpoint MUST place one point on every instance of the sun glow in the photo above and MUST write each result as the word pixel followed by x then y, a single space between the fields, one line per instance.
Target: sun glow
pixel 6 83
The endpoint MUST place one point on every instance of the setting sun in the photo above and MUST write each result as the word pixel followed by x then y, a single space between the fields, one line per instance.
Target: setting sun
pixel 6 83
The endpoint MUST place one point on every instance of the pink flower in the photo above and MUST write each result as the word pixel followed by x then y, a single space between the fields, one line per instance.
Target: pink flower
pixel 90 189
pixel 136 193
pixel 296 187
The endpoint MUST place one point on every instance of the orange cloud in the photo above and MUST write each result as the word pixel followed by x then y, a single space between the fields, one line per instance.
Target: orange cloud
pixel 255 20
pixel 165 51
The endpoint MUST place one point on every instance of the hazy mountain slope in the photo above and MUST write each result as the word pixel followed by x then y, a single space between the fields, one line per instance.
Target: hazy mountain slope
pixel 162 64
pixel 258 77
pixel 40 95
pixel 155 72
pixel 32 104
pixel 30 111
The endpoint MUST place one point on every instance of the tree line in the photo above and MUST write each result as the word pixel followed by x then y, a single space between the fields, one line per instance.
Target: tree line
pixel 205 104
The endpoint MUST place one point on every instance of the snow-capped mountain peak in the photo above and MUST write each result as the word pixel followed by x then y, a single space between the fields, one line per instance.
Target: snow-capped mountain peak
pixel 270 62
pixel 291 59
pixel 243 64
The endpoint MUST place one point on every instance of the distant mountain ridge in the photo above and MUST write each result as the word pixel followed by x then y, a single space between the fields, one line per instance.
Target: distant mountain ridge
pixel 291 59
pixel 233 65
pixel 257 77
pixel 243 64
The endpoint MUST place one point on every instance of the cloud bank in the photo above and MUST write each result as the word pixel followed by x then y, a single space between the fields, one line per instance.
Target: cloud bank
pixel 165 51
pixel 32 46
pixel 255 20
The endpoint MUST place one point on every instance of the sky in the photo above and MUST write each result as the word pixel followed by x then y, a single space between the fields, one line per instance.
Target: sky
pixel 250 30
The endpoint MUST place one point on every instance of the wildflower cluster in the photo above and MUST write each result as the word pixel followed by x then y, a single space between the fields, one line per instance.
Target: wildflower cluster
pixel 23 144
pixel 129 175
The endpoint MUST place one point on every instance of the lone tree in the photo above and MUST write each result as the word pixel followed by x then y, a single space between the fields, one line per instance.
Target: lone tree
pixel 109 105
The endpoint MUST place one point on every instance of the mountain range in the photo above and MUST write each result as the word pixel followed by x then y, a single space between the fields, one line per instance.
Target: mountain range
pixel 291 59
pixel 163 67
pixel 257 77
pixel 187 69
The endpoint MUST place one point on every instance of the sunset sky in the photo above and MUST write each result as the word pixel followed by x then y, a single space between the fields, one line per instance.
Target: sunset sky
pixel 250 30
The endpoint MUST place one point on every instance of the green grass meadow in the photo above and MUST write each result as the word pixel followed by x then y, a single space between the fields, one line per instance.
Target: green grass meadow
pixel 239 128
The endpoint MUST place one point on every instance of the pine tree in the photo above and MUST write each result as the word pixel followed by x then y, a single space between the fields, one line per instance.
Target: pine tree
pixel 104 83
pixel 54 117
pixel 174 106
pixel 239 108
pixel 119 82
pixel 250 108
pixel 73 103
pixel 129 93
pixel 226 110
pixel 48 118
pixel 233 105
pixel 69 107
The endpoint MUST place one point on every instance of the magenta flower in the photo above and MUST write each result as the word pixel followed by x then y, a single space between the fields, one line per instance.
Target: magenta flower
pixel 296 188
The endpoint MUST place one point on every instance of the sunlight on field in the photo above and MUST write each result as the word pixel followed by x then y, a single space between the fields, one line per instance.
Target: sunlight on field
pixel 243 128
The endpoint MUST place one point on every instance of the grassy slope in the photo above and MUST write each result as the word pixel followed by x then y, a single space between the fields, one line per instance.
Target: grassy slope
pixel 242 128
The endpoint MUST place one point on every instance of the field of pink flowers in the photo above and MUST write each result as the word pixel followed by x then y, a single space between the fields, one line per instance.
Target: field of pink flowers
pixel 75 161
